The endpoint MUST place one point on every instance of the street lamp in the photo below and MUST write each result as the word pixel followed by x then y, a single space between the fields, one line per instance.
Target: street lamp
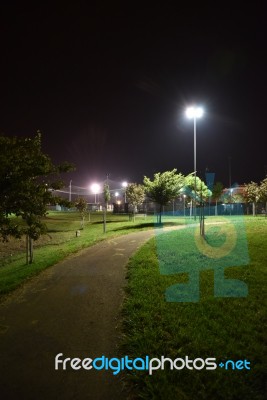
pixel 194 113
pixel 124 184
pixel 95 187
pixel 70 191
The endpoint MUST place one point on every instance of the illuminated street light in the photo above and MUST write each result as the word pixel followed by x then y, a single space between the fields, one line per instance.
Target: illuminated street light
pixel 116 196
pixel 194 113
pixel 95 187
pixel 124 184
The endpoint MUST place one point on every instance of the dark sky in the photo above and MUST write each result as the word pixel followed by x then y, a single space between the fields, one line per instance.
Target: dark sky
pixel 107 84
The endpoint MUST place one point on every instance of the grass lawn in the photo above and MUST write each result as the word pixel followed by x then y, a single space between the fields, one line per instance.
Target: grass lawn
pixel 223 328
pixel 59 242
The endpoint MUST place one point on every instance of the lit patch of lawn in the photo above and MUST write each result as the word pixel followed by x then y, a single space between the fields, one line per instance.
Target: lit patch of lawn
pixel 61 241
pixel 224 328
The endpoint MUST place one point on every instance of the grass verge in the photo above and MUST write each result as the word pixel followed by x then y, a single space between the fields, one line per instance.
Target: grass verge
pixel 59 242
pixel 224 328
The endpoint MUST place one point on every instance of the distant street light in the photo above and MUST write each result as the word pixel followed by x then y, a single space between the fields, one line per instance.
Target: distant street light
pixel 124 184
pixel 95 187
pixel 194 113
pixel 184 196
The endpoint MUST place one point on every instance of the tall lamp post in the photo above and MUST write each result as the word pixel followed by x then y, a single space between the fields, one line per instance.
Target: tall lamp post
pixel 95 187
pixel 194 113
pixel 124 185
pixel 70 191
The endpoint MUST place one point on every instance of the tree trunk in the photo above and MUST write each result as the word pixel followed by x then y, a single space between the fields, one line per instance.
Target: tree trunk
pixel 27 249
pixel 216 208
pixel 105 220
pixel 31 250
pixel 253 209
pixel 160 211
pixel 82 222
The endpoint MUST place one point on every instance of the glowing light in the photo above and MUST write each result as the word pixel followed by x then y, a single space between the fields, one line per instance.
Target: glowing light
pixel 194 112
pixel 95 187
pixel 124 184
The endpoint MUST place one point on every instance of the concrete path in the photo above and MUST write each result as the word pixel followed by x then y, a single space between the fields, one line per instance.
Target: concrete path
pixel 71 308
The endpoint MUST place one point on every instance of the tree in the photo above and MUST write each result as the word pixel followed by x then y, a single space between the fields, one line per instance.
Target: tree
pixel 106 194
pixel 263 192
pixel 252 194
pixel 27 179
pixel 217 193
pixel 202 191
pixel 164 188
pixel 81 206
pixel 135 196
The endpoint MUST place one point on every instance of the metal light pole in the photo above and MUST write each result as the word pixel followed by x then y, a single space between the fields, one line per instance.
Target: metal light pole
pixel 70 191
pixel 124 185
pixel 194 113
pixel 95 187
pixel 195 167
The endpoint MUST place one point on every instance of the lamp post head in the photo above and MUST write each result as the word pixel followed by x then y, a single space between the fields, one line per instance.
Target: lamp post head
pixel 124 184
pixel 95 187
pixel 194 112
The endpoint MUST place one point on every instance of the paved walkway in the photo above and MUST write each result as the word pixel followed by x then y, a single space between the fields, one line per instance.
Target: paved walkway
pixel 71 308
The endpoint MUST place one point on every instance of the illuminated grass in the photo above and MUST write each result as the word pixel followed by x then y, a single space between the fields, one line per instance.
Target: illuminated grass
pixel 224 328
pixel 61 241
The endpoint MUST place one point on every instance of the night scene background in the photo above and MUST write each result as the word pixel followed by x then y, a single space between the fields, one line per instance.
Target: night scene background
pixel 107 84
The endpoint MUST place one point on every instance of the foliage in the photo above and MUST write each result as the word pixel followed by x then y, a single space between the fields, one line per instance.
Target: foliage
pixel 164 188
pixel 106 194
pixel 217 191
pixel 263 190
pixel 252 194
pixel 27 179
pixel 81 206
pixel 237 198
pixel 135 195
pixel 202 191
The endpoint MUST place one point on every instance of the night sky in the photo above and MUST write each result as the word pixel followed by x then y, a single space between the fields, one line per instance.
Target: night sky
pixel 107 84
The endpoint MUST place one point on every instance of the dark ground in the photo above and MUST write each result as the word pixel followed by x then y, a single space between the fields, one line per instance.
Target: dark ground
pixel 71 308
